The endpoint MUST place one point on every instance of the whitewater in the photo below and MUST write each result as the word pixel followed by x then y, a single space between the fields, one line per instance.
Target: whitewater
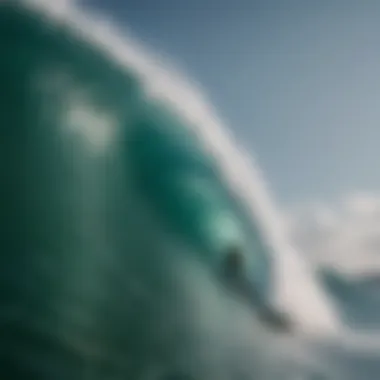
pixel 157 314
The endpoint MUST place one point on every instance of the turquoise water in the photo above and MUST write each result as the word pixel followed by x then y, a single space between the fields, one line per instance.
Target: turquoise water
pixel 182 183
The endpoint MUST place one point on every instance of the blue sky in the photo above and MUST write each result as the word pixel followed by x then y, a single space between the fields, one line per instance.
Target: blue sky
pixel 298 81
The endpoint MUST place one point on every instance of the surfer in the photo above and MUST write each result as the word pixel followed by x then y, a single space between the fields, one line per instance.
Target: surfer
pixel 239 283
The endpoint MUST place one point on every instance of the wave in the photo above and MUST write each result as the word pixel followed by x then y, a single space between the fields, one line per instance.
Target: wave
pixel 239 170
pixel 157 310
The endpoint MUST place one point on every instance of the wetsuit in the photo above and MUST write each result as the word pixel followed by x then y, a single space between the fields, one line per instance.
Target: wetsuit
pixel 238 282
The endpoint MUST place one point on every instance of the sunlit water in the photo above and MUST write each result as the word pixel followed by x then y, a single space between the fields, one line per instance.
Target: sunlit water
pixel 121 189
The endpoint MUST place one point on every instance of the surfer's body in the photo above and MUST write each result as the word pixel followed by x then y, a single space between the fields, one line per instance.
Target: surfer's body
pixel 238 282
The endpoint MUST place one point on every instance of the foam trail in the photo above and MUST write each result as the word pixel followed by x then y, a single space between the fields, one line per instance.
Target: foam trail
pixel 359 341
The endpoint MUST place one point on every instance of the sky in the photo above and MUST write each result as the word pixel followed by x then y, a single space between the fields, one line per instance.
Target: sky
pixel 297 81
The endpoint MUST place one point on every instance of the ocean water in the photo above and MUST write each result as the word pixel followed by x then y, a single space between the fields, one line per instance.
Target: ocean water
pixel 121 191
